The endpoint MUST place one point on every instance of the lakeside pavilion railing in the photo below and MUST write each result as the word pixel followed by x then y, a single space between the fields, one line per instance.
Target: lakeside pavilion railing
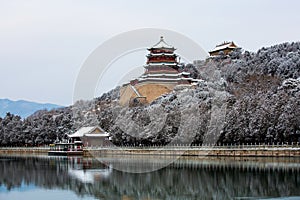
pixel 249 146
pixel 25 148
pixel 205 146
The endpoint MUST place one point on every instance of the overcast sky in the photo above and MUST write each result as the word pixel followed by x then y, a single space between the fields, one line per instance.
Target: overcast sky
pixel 44 43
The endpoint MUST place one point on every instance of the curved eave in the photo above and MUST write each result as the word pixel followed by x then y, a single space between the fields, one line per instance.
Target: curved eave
pixel 168 48
pixel 162 54
pixel 161 64
pixel 216 50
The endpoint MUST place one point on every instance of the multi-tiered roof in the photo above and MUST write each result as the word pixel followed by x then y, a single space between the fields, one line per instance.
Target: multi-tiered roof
pixel 163 65
pixel 161 59
pixel 163 72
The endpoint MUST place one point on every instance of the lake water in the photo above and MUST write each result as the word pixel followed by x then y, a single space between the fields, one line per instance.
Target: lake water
pixel 42 177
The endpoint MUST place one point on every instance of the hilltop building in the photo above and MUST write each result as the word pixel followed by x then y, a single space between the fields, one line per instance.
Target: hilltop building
pixel 226 47
pixel 162 74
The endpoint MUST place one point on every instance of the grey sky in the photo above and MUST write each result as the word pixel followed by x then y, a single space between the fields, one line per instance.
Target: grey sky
pixel 44 43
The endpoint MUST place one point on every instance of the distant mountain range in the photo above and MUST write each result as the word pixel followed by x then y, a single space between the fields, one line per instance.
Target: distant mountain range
pixel 23 108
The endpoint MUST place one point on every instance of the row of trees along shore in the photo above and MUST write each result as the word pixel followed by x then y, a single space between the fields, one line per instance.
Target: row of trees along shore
pixel 261 92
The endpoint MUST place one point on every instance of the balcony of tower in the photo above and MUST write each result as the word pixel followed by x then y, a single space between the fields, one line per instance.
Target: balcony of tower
pixel 161 65
pixel 160 51
pixel 165 60
pixel 161 70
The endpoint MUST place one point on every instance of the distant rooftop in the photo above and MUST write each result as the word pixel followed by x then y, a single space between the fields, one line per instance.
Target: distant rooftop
pixel 224 45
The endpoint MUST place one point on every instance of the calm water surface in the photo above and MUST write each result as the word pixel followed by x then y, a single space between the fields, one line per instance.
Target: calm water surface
pixel 43 177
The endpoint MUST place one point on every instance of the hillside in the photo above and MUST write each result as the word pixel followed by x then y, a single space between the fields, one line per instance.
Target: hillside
pixel 244 98
pixel 23 108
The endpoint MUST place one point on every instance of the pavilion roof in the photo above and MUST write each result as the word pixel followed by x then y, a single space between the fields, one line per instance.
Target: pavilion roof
pixel 88 131
pixel 225 45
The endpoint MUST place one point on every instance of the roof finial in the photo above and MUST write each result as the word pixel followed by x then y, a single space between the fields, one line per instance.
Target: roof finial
pixel 162 44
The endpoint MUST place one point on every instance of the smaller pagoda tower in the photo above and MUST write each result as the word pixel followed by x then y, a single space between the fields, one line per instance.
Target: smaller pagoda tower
pixel 225 47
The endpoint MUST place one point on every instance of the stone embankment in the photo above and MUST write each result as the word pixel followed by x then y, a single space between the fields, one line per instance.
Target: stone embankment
pixel 230 151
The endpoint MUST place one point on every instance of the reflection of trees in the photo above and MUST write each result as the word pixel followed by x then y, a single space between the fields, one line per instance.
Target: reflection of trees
pixel 178 181
pixel 196 182
pixel 42 172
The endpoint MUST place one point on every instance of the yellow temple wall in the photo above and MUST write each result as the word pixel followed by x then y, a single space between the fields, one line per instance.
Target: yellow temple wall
pixel 149 90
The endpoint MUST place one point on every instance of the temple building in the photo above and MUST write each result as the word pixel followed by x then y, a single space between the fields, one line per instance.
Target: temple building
pixel 91 136
pixel 162 73
pixel 163 65
pixel 226 47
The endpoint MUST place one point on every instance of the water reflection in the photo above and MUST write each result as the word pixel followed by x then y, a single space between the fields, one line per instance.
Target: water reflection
pixel 192 178
pixel 88 170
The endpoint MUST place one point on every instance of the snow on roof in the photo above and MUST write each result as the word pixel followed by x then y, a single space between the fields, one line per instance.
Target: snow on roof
pixel 225 45
pixel 185 73
pixel 161 63
pixel 86 130
pixel 166 78
pixel 197 80
pixel 161 74
pixel 159 54
pixel 162 44
pixel 97 134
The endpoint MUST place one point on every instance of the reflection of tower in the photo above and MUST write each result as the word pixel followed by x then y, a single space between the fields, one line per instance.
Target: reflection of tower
pixel 162 74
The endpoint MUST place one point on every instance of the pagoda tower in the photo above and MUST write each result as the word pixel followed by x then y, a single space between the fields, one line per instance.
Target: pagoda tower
pixel 161 59
pixel 162 74
pixel 163 65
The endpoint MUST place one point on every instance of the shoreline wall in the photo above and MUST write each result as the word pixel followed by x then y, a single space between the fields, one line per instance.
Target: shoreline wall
pixel 205 151
pixel 236 152
pixel 33 150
